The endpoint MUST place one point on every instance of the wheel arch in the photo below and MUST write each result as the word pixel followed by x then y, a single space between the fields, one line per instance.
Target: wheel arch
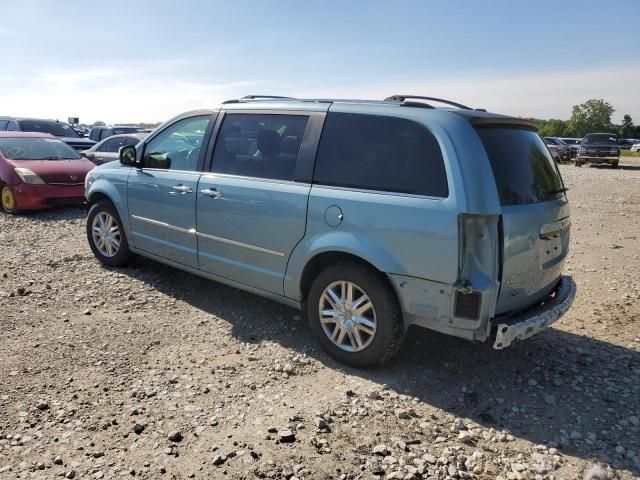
pixel 104 190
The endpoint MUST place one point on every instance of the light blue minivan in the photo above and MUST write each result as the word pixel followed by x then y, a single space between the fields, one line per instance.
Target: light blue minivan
pixel 370 216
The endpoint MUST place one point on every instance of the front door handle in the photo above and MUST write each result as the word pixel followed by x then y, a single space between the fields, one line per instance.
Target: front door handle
pixel 211 192
pixel 180 189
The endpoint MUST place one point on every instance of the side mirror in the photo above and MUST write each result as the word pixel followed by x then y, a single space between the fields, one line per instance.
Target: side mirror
pixel 89 155
pixel 128 156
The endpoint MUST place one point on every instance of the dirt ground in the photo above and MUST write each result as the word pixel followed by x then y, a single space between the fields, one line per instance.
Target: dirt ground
pixel 148 372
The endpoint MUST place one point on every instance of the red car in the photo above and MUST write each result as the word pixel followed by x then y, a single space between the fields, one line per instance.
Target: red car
pixel 38 170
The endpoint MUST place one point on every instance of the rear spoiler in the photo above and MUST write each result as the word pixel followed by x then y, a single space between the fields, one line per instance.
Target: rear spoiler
pixel 484 120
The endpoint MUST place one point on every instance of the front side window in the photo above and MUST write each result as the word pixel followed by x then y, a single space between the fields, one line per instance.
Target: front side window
pixel 259 145
pixel 3 124
pixel 13 126
pixel 177 147
pixel 34 148
pixel 131 141
pixel 112 145
pixel 380 153
pixel 58 129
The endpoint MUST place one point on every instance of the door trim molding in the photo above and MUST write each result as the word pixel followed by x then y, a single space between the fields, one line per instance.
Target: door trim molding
pixel 240 244
pixel 192 231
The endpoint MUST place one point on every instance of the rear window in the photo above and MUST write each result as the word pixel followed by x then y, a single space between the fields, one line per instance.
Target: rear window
pixel 522 166
pixel 59 129
pixel 380 153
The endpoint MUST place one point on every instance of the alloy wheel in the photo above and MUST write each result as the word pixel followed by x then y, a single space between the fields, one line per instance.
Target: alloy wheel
pixel 106 234
pixel 347 316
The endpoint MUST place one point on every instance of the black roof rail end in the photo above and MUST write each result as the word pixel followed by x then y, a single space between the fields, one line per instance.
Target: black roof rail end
pixel 403 98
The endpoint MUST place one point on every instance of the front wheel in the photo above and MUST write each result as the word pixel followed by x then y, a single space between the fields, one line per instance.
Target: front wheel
pixel 355 314
pixel 8 199
pixel 106 235
pixel 615 164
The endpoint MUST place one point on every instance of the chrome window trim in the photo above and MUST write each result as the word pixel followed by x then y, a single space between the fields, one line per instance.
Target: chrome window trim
pixel 380 192
pixel 192 231
pixel 231 176
pixel 183 172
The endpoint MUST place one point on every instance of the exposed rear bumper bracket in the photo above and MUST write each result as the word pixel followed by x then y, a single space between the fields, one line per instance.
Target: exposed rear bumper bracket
pixel 539 318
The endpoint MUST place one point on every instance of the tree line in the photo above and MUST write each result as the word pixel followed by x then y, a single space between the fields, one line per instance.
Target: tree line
pixel 589 117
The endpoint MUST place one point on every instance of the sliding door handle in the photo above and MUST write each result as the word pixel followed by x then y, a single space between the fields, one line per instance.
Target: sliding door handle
pixel 211 192
pixel 181 189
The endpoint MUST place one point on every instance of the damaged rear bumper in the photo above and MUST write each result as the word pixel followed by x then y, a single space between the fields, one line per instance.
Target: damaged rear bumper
pixel 538 318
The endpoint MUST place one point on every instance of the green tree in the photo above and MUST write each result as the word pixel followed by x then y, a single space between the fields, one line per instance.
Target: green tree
pixel 99 123
pixel 591 116
pixel 553 128
pixel 627 128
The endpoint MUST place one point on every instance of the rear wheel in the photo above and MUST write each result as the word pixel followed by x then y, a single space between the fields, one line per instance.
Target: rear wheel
pixel 106 235
pixel 355 314
pixel 615 164
pixel 8 199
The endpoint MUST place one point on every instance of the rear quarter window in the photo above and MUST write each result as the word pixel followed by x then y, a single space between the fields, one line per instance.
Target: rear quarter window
pixel 522 166
pixel 380 153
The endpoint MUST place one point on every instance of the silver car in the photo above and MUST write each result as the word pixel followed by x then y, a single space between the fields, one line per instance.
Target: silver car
pixel 107 150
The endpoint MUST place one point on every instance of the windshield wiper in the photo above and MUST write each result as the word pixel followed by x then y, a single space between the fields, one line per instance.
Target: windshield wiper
pixel 560 190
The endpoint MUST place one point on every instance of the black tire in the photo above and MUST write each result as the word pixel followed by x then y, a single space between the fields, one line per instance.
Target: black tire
pixel 124 256
pixel 615 164
pixel 389 333
pixel 4 190
pixel 578 164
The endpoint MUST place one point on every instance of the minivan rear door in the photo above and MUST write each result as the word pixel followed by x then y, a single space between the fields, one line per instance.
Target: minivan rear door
pixel 535 214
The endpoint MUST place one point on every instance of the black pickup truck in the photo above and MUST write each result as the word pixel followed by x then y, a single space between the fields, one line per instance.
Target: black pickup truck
pixel 599 148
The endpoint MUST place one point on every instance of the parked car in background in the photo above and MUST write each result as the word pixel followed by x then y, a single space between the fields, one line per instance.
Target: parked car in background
pixel 38 170
pixel 321 205
pixel 100 133
pixel 599 148
pixel 574 144
pixel 107 149
pixel 635 147
pixel 564 150
pixel 59 129
pixel 82 131
pixel 627 143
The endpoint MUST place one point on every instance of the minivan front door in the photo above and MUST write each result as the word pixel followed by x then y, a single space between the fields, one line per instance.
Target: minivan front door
pixel 251 211
pixel 162 195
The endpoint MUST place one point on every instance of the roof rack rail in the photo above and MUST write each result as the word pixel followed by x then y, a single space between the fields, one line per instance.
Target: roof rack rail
pixel 259 97
pixel 403 98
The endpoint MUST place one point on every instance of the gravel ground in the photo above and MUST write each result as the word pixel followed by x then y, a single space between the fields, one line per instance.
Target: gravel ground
pixel 148 372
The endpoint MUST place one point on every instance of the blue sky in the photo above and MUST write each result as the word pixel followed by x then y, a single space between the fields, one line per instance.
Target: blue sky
pixel 148 60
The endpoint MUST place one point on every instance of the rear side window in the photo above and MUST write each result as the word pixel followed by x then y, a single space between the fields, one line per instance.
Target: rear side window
pixel 259 145
pixel 522 166
pixel 380 153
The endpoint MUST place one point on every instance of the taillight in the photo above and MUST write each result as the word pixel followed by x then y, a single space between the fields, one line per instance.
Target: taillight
pixel 467 305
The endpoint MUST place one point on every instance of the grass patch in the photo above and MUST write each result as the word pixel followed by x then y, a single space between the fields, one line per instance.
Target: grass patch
pixel 629 153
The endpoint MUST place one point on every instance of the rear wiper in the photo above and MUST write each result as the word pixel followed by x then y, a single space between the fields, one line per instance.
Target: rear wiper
pixel 560 190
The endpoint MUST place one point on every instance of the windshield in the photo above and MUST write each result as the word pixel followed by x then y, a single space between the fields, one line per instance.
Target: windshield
pixel 522 166
pixel 59 129
pixel 25 148
pixel 601 138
